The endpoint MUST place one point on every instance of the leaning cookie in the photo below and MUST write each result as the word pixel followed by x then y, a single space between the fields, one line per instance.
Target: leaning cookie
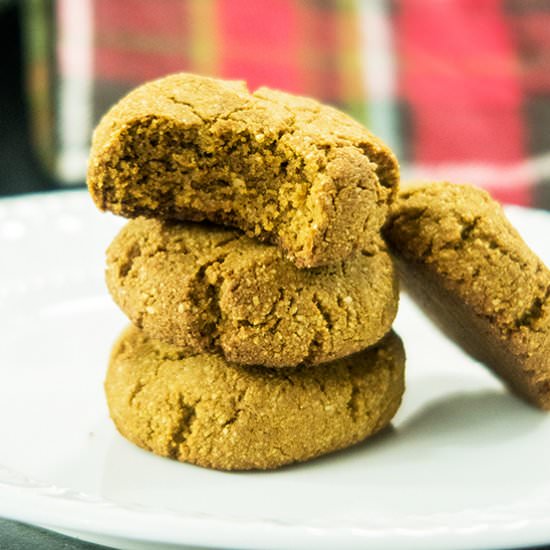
pixel 471 271
pixel 208 288
pixel 284 169
pixel 204 410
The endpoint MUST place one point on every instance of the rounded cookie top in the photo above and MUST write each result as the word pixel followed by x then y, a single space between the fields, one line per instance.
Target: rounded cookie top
pixel 204 410
pixel 285 169
pixel 207 288
pixel 472 271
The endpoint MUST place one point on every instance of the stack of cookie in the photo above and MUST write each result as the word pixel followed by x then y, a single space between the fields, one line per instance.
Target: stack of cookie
pixel 261 335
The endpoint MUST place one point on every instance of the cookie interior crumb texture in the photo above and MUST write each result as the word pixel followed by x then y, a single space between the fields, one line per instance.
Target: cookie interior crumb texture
pixel 474 275
pixel 284 169
pixel 203 410
pixel 208 288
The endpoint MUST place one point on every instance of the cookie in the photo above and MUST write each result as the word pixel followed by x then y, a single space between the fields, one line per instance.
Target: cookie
pixel 473 274
pixel 204 410
pixel 209 288
pixel 284 169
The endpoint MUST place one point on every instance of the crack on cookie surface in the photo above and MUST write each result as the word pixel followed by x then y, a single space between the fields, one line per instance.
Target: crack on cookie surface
pixel 182 427
pixel 534 312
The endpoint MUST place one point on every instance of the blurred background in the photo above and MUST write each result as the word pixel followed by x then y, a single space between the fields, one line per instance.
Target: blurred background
pixel 460 89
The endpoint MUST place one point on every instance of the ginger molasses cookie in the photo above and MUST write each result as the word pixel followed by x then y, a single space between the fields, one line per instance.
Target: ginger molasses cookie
pixel 474 275
pixel 284 169
pixel 204 410
pixel 209 288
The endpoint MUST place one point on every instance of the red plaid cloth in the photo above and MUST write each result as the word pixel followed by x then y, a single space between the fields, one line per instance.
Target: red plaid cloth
pixel 302 47
pixel 468 84
pixel 459 88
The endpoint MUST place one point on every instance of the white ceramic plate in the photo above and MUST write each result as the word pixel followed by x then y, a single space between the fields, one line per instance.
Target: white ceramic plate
pixel 466 465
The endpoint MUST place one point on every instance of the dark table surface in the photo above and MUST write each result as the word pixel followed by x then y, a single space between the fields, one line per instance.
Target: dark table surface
pixel 20 536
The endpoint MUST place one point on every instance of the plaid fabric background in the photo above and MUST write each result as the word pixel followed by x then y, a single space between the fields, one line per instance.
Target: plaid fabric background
pixel 459 88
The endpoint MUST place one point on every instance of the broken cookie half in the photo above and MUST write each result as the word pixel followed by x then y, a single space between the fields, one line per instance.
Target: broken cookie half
pixel 284 169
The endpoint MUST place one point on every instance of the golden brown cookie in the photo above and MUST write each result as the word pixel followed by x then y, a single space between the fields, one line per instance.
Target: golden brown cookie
pixel 473 274
pixel 204 410
pixel 208 288
pixel 285 169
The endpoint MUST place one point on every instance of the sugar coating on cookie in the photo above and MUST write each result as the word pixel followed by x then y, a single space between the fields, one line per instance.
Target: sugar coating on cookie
pixel 474 275
pixel 204 410
pixel 284 169
pixel 208 288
